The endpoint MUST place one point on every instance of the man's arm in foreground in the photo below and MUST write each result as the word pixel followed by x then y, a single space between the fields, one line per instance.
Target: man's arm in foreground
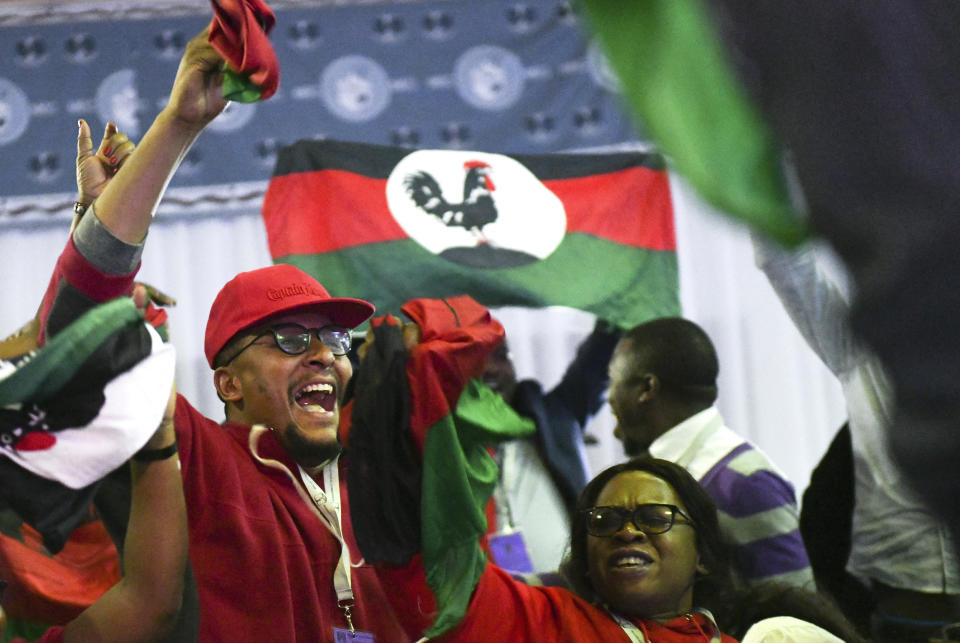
pixel 144 605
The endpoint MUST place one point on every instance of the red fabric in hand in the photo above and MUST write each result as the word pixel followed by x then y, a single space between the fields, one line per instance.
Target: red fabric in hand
pixel 239 33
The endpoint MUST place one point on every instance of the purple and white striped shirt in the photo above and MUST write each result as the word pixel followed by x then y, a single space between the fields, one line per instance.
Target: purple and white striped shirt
pixel 757 505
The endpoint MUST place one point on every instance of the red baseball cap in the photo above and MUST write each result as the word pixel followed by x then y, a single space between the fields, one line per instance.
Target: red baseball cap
pixel 253 296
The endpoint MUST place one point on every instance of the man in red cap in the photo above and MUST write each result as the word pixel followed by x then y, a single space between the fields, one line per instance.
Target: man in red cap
pixel 262 340
pixel 271 543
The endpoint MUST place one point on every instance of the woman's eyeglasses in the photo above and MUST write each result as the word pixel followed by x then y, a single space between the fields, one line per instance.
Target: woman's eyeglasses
pixel 294 339
pixel 651 519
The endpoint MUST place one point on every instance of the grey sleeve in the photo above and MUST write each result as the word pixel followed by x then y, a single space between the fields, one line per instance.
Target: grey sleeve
pixel 102 249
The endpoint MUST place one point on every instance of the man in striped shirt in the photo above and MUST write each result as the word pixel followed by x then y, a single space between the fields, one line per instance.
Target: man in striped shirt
pixel 663 385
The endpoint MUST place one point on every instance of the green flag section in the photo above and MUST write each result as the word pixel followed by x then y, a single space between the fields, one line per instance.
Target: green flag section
pixel 239 88
pixel 593 232
pixel 459 476
pixel 678 82
pixel 455 418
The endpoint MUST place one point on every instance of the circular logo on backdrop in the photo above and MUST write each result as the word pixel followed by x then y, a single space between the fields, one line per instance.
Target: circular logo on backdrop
pixel 489 77
pixel 355 88
pixel 475 209
pixel 14 112
pixel 235 116
pixel 600 69
pixel 117 100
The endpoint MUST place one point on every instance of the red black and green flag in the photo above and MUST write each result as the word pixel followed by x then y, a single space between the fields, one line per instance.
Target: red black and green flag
pixel 593 232
pixel 76 409
pixel 71 412
pixel 420 469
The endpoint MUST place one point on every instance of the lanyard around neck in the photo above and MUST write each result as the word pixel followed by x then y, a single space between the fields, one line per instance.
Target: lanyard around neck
pixel 329 509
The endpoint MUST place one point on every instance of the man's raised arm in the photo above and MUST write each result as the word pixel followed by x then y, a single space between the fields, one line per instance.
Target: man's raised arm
pixel 102 257
pixel 127 204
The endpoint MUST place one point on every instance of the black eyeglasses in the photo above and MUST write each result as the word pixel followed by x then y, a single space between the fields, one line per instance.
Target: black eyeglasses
pixel 294 339
pixel 651 519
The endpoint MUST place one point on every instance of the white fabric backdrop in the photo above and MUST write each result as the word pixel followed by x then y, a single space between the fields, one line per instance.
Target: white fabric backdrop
pixel 772 388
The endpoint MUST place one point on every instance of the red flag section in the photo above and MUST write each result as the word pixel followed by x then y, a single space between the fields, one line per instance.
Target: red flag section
pixel 327 210
pixel 54 589
pixel 590 202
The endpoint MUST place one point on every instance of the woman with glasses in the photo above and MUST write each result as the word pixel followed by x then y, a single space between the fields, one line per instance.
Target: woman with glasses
pixel 646 548
pixel 645 564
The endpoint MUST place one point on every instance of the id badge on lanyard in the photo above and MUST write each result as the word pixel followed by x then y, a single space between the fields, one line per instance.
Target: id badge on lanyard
pixel 509 551
pixel 341 635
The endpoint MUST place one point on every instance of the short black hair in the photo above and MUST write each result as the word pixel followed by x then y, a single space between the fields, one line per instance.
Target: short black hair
pixel 679 353
pixel 232 346
pixel 710 590
pixel 228 349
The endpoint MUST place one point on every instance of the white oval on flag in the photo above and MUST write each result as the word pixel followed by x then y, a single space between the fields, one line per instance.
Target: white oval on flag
pixel 475 208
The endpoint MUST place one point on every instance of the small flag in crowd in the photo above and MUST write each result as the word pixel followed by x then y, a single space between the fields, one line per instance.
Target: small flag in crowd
pixel 238 32
pixel 429 479
pixel 593 232
pixel 75 410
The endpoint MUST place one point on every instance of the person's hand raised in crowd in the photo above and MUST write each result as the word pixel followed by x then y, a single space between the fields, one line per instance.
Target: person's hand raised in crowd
pixel 144 295
pixel 96 168
pixel 165 434
pixel 158 297
pixel 411 337
pixel 197 95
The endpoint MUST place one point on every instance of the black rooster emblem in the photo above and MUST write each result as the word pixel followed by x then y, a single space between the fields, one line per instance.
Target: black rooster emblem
pixel 475 211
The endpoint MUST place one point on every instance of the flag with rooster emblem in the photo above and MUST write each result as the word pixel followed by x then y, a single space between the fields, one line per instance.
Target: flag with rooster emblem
pixel 593 232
